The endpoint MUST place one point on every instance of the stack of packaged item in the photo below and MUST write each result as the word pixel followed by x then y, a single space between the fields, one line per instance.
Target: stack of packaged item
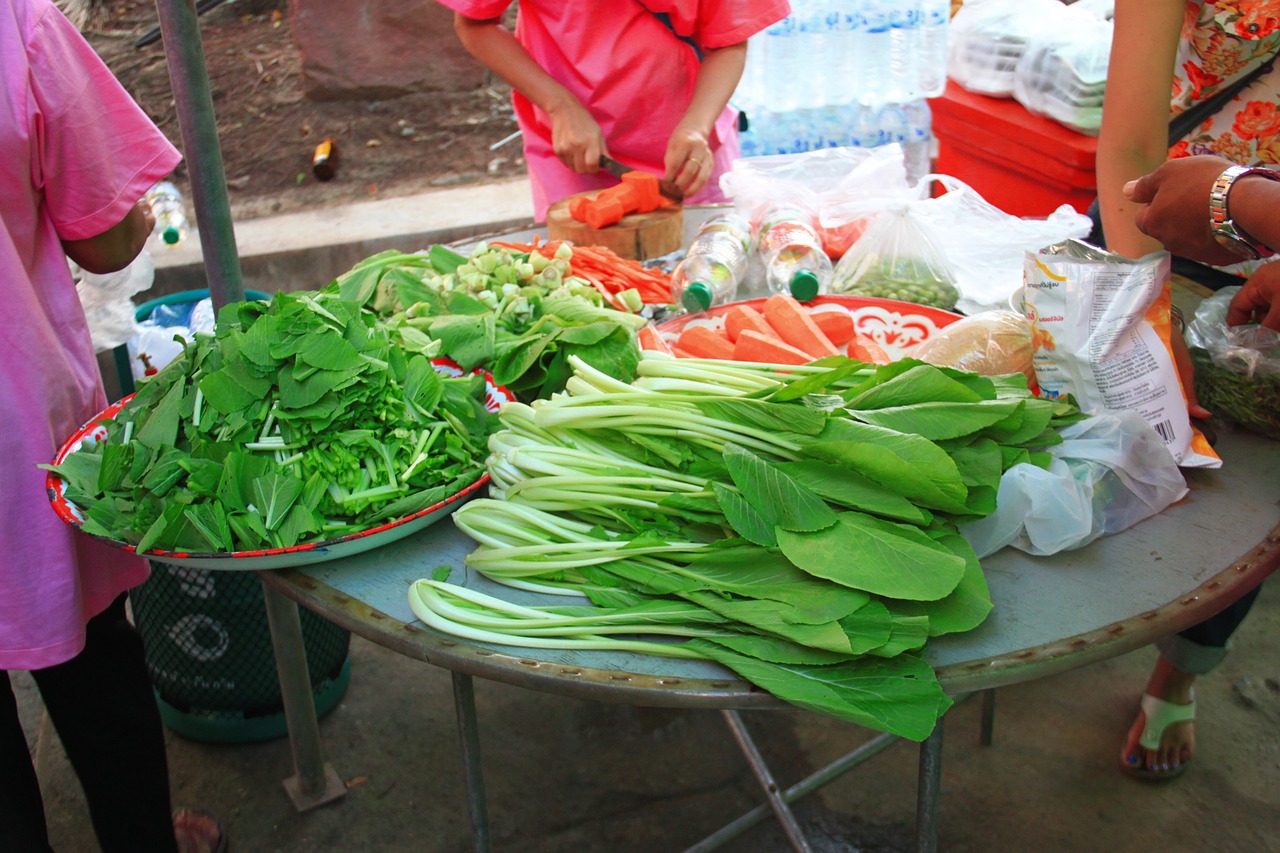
pixel 1049 56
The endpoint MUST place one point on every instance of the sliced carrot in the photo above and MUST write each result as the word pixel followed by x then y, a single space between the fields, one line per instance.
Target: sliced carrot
pixel 865 348
pixel 741 317
pixel 753 346
pixel 836 325
pixel 704 342
pixel 681 353
pixel 651 340
pixel 794 325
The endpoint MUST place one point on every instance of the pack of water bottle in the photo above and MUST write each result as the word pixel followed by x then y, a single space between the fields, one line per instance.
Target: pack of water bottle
pixel 833 52
pixel 846 73
pixel 855 125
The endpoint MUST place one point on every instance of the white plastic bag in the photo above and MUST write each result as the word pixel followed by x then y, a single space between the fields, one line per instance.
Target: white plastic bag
pixel 161 337
pixel 106 300
pixel 1063 72
pixel 987 247
pixel 1110 472
pixel 988 37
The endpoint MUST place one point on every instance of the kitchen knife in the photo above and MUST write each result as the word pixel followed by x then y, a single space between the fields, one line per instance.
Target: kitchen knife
pixel 613 167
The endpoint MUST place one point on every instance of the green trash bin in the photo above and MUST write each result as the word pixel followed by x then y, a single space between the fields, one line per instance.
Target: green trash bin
pixel 209 654
pixel 208 643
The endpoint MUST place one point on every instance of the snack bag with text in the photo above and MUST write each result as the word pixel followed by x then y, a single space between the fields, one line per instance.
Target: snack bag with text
pixel 1100 332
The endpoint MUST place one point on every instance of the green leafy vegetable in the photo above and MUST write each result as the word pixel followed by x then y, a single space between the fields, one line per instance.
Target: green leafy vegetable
pixel 301 420
pixel 798 527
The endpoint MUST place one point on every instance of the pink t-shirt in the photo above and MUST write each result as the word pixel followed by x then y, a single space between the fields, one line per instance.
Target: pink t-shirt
pixel 631 73
pixel 76 153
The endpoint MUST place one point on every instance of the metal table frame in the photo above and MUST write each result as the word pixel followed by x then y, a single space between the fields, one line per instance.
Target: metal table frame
pixel 321 589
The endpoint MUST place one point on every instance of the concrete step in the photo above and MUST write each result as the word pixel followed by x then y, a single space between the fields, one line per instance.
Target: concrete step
pixel 307 250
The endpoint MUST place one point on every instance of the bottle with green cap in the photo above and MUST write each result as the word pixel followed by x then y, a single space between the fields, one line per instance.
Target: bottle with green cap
pixel 714 265
pixel 169 212
pixel 792 254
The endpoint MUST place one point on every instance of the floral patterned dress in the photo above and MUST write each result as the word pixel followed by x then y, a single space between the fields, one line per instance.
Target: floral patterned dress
pixel 1223 40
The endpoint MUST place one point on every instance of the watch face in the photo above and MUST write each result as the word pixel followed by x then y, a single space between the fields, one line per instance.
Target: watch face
pixel 1227 238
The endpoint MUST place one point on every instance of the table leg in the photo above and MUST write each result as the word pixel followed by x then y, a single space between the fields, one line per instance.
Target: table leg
pixel 928 791
pixel 988 716
pixel 464 701
pixel 803 788
pixel 314 782
pixel 779 805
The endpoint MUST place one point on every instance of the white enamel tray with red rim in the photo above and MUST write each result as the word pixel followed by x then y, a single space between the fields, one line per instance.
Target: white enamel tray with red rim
pixel 896 326
pixel 275 558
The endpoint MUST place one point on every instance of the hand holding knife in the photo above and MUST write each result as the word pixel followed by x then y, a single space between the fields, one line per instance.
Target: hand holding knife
pixel 613 167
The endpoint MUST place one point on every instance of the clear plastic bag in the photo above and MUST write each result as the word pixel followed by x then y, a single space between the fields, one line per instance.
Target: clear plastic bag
pixel 1237 367
pixel 841 187
pixel 898 257
pixel 986 247
pixel 990 343
pixel 1110 472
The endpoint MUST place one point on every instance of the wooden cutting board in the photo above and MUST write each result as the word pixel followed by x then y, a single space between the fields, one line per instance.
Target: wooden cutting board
pixel 637 236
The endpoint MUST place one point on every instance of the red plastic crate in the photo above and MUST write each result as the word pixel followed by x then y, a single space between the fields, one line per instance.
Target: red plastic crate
pixel 1024 164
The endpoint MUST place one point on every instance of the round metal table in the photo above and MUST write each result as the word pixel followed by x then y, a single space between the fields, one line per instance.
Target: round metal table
pixel 1051 613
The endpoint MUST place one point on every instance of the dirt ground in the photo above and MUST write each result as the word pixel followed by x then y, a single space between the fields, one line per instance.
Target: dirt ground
pixel 268 131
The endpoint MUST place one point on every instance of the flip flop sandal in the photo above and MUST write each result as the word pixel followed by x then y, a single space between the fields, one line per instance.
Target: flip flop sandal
pixel 218 845
pixel 1159 715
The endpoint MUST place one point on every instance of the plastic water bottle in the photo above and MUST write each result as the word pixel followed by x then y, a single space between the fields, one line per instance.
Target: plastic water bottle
pixel 935 25
pixel 811 53
pixel 901 83
pixel 715 264
pixel 918 142
pixel 167 208
pixel 792 254
pixel 864 127
pixel 847 69
pixel 874 54
pixel 750 93
pixel 782 78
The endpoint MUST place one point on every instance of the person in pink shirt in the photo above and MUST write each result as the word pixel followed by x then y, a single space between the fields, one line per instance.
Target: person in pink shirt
pixel 622 78
pixel 76 156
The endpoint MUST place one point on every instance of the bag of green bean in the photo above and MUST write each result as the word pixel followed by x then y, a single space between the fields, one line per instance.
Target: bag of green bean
pixel 1237 367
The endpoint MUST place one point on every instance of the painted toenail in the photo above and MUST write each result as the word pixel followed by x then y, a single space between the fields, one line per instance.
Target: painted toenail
pixel 1131 759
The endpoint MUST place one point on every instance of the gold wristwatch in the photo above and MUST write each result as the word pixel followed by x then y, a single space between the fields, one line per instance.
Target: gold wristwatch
pixel 1225 231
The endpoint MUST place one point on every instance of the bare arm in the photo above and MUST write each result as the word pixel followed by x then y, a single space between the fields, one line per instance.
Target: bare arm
pixel 688 157
pixel 1134 136
pixel 575 135
pixel 115 248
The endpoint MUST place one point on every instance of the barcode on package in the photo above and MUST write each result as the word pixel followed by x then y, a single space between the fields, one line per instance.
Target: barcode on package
pixel 1165 429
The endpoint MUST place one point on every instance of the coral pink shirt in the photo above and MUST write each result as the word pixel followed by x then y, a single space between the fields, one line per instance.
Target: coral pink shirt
pixel 631 73
pixel 76 153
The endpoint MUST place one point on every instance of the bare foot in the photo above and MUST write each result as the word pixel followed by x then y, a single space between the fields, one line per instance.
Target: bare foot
pixel 1177 743
pixel 198 831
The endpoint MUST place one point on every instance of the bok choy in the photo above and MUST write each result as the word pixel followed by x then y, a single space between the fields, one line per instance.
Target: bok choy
pixel 798 527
